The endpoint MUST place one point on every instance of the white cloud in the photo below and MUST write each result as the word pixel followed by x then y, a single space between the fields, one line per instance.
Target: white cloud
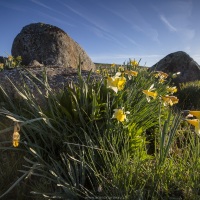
pixel 167 23
pixel 131 40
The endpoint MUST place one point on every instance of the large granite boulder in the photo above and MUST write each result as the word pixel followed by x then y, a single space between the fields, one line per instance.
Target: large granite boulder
pixel 49 45
pixel 179 62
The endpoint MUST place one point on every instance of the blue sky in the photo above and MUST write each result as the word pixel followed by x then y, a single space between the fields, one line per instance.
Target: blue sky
pixel 111 31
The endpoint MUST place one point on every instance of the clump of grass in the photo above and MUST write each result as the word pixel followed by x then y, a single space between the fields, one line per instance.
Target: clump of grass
pixel 189 95
pixel 92 139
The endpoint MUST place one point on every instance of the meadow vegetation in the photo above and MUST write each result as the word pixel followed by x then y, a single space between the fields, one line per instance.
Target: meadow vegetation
pixel 123 136
pixel 189 95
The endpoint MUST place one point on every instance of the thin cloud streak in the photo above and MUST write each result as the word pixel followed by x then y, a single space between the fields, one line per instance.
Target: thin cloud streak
pixel 49 8
pixel 42 5
pixel 167 23
pixel 55 19
pixel 84 17
pixel 138 24
pixel 131 40
pixel 98 29
pixel 101 34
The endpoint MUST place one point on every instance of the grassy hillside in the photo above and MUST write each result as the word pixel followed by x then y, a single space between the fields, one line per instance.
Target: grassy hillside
pixel 120 137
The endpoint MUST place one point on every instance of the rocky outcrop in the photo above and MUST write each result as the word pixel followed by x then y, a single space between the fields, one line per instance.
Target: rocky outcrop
pixel 179 62
pixel 49 45
pixel 33 77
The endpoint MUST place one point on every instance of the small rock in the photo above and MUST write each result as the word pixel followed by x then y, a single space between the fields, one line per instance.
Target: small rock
pixel 35 63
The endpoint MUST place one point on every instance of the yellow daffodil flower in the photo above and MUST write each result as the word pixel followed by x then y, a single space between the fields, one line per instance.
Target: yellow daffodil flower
pixel 16 139
pixel 1 65
pixel 112 65
pixel 171 90
pixel 116 82
pixel 134 63
pixel 161 75
pixel 16 135
pixel 161 80
pixel 120 115
pixel 169 100
pixel 105 72
pixel 10 58
pixel 13 63
pixel 121 83
pixel 98 71
pixel 195 113
pixel 149 93
pixel 131 73
pixel 196 124
pixel 19 58
pixel 121 68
